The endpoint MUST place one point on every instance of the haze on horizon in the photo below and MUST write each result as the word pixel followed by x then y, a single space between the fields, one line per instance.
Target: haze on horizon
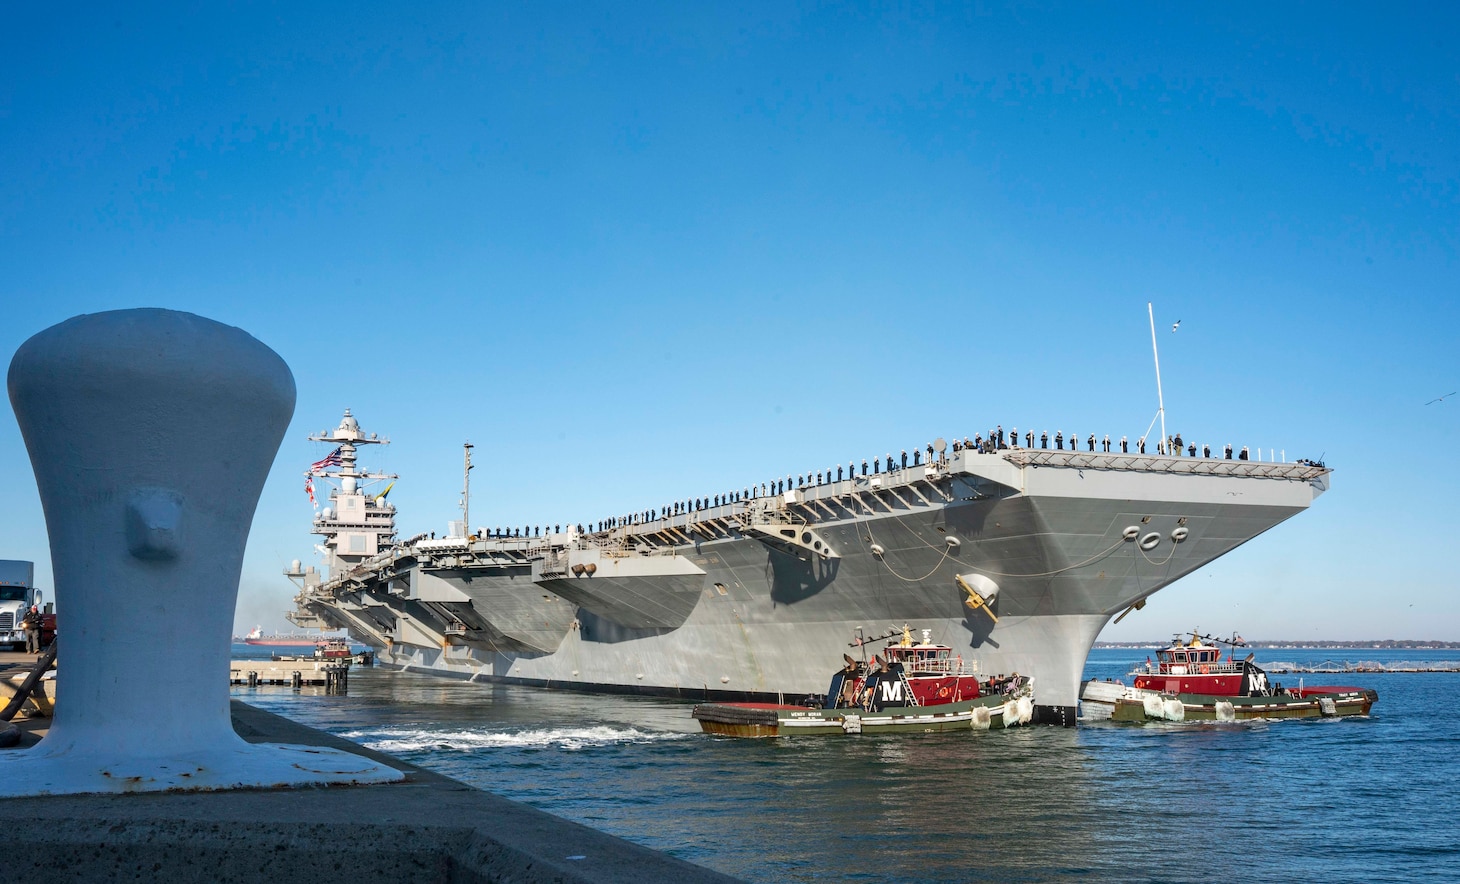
pixel 638 254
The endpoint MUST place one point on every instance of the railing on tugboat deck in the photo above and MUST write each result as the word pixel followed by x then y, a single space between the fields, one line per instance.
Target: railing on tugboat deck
pixel 949 666
pixel 1228 668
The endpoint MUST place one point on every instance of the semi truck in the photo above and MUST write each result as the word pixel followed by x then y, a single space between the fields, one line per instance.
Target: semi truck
pixel 17 594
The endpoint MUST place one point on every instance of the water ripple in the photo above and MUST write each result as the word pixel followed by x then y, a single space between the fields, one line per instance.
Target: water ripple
pixel 1371 799
pixel 405 741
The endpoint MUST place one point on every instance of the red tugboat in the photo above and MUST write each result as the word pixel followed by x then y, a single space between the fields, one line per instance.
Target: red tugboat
pixel 333 649
pixel 907 688
pixel 1190 680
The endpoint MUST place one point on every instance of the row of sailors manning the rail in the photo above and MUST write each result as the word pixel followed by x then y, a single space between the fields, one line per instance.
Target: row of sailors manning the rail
pixel 996 441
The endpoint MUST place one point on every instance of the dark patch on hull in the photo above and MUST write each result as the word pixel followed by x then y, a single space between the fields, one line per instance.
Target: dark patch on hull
pixel 1060 716
pixel 794 579
pixel 509 612
pixel 640 602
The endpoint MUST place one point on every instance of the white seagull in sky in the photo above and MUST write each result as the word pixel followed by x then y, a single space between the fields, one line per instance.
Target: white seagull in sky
pixel 1175 324
pixel 1440 398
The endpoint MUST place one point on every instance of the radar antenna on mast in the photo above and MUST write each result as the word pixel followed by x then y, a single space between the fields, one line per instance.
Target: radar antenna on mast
pixel 355 524
pixel 1160 401
pixel 466 448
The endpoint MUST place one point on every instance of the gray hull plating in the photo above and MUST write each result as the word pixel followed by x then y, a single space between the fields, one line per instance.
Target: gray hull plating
pixel 641 592
pixel 502 606
pixel 1069 541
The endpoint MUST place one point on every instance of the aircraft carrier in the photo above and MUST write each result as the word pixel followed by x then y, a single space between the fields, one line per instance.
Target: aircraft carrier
pixel 1016 555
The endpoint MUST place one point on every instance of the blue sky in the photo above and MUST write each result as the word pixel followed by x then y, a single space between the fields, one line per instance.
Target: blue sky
pixel 639 252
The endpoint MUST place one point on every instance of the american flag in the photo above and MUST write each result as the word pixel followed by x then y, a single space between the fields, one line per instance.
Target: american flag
pixel 330 460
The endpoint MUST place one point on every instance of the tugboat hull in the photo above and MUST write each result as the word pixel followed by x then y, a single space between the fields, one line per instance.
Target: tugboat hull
pixel 773 720
pixel 1235 690
pixel 1198 707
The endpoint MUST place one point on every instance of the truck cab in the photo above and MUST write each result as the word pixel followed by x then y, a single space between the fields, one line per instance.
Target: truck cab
pixel 17 594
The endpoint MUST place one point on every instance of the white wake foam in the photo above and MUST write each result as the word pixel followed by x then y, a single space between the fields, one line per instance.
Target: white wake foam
pixel 571 738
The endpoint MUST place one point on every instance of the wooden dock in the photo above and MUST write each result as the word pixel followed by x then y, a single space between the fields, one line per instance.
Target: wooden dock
pixel 333 674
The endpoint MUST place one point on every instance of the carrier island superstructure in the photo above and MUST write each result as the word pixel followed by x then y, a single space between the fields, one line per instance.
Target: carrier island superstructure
pixel 1016 556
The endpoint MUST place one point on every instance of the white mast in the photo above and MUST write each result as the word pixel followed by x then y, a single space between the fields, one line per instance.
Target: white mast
pixel 1160 401
pixel 466 489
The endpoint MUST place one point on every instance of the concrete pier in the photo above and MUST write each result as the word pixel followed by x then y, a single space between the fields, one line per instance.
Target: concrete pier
pixel 330 673
pixel 151 433
pixel 428 828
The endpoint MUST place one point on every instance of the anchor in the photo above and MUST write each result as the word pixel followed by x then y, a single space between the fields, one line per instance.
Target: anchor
pixel 982 597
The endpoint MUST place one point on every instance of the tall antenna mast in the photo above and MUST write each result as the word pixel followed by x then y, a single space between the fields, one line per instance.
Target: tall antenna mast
pixel 466 489
pixel 1160 401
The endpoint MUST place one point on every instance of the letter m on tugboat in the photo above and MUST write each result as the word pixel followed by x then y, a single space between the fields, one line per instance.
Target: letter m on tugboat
pixel 892 692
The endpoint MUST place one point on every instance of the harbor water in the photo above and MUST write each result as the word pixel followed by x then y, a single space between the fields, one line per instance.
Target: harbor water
pixel 1358 799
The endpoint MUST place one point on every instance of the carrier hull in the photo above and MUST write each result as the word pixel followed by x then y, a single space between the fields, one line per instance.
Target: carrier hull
pixel 1016 558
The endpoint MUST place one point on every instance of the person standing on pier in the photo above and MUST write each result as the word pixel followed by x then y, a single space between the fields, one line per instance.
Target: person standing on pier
pixel 32 622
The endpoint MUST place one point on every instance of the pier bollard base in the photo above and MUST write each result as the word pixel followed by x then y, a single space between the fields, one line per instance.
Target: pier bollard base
pixel 427 828
pixel 36 771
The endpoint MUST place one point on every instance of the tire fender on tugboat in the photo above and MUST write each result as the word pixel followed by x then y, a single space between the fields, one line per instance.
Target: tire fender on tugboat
pixel 1026 709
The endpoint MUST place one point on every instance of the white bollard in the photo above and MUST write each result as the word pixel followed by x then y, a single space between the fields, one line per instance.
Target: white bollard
pixel 151 433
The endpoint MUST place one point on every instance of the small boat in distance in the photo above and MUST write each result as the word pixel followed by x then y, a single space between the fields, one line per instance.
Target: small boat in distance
pixel 256 637
pixel 907 688
pixel 1190 681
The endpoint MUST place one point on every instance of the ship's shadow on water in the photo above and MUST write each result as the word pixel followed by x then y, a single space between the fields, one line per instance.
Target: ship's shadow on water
pixel 1354 799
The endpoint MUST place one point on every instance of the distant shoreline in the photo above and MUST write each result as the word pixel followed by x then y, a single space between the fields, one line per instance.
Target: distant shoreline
pixel 1318 644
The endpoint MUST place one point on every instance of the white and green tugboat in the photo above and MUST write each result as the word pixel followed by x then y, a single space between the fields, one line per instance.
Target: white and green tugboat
pixel 908 688
pixel 1189 681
